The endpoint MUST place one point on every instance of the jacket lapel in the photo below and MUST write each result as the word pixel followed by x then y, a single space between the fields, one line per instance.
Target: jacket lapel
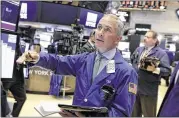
pixel 141 50
pixel 90 65
pixel 101 76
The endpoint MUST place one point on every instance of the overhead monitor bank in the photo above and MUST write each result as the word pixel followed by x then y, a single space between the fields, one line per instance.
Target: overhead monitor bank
pixel 9 15
pixel 58 14
pixel 8 46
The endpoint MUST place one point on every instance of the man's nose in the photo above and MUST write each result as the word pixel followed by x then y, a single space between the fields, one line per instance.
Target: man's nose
pixel 101 32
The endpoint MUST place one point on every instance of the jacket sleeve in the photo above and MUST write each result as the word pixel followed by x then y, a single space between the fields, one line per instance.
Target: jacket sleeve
pixel 63 65
pixel 164 65
pixel 124 100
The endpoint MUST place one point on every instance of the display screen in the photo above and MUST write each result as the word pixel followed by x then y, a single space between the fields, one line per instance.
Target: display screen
pixel 45 40
pixel 9 15
pixel 27 47
pixel 124 15
pixel 89 18
pixel 58 14
pixel 141 29
pixel 8 46
pixel 29 11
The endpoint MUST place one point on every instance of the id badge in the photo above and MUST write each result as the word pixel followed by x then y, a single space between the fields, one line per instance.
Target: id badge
pixel 111 66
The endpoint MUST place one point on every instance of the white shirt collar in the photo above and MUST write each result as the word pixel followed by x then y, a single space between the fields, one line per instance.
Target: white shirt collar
pixel 109 54
pixel 150 48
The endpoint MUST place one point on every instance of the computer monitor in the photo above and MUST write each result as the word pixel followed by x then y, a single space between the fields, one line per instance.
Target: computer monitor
pixel 89 18
pixel 45 40
pixel 10 15
pixel 141 29
pixel 29 11
pixel 123 46
pixel 58 13
pixel 8 46
pixel 124 16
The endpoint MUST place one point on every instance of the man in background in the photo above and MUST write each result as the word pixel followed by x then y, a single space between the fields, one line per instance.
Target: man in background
pixel 146 100
pixel 90 45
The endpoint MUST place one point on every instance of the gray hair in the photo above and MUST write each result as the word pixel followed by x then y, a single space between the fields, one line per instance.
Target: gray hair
pixel 120 24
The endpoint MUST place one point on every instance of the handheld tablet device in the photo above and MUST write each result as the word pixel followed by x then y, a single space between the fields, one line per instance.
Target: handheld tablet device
pixel 83 108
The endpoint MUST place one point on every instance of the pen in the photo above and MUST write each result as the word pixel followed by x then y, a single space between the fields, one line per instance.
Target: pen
pixel 30 55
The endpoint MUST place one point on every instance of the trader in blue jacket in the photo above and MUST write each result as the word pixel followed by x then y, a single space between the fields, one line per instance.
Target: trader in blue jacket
pixel 169 107
pixel 149 79
pixel 98 74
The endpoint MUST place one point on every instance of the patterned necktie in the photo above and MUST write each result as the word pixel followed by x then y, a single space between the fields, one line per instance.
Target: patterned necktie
pixel 96 65
pixel 144 53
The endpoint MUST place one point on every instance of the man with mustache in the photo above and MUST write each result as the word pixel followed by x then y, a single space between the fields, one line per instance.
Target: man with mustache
pixel 149 79
pixel 96 71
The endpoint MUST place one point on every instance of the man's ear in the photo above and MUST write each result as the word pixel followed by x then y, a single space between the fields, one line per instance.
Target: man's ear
pixel 118 39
